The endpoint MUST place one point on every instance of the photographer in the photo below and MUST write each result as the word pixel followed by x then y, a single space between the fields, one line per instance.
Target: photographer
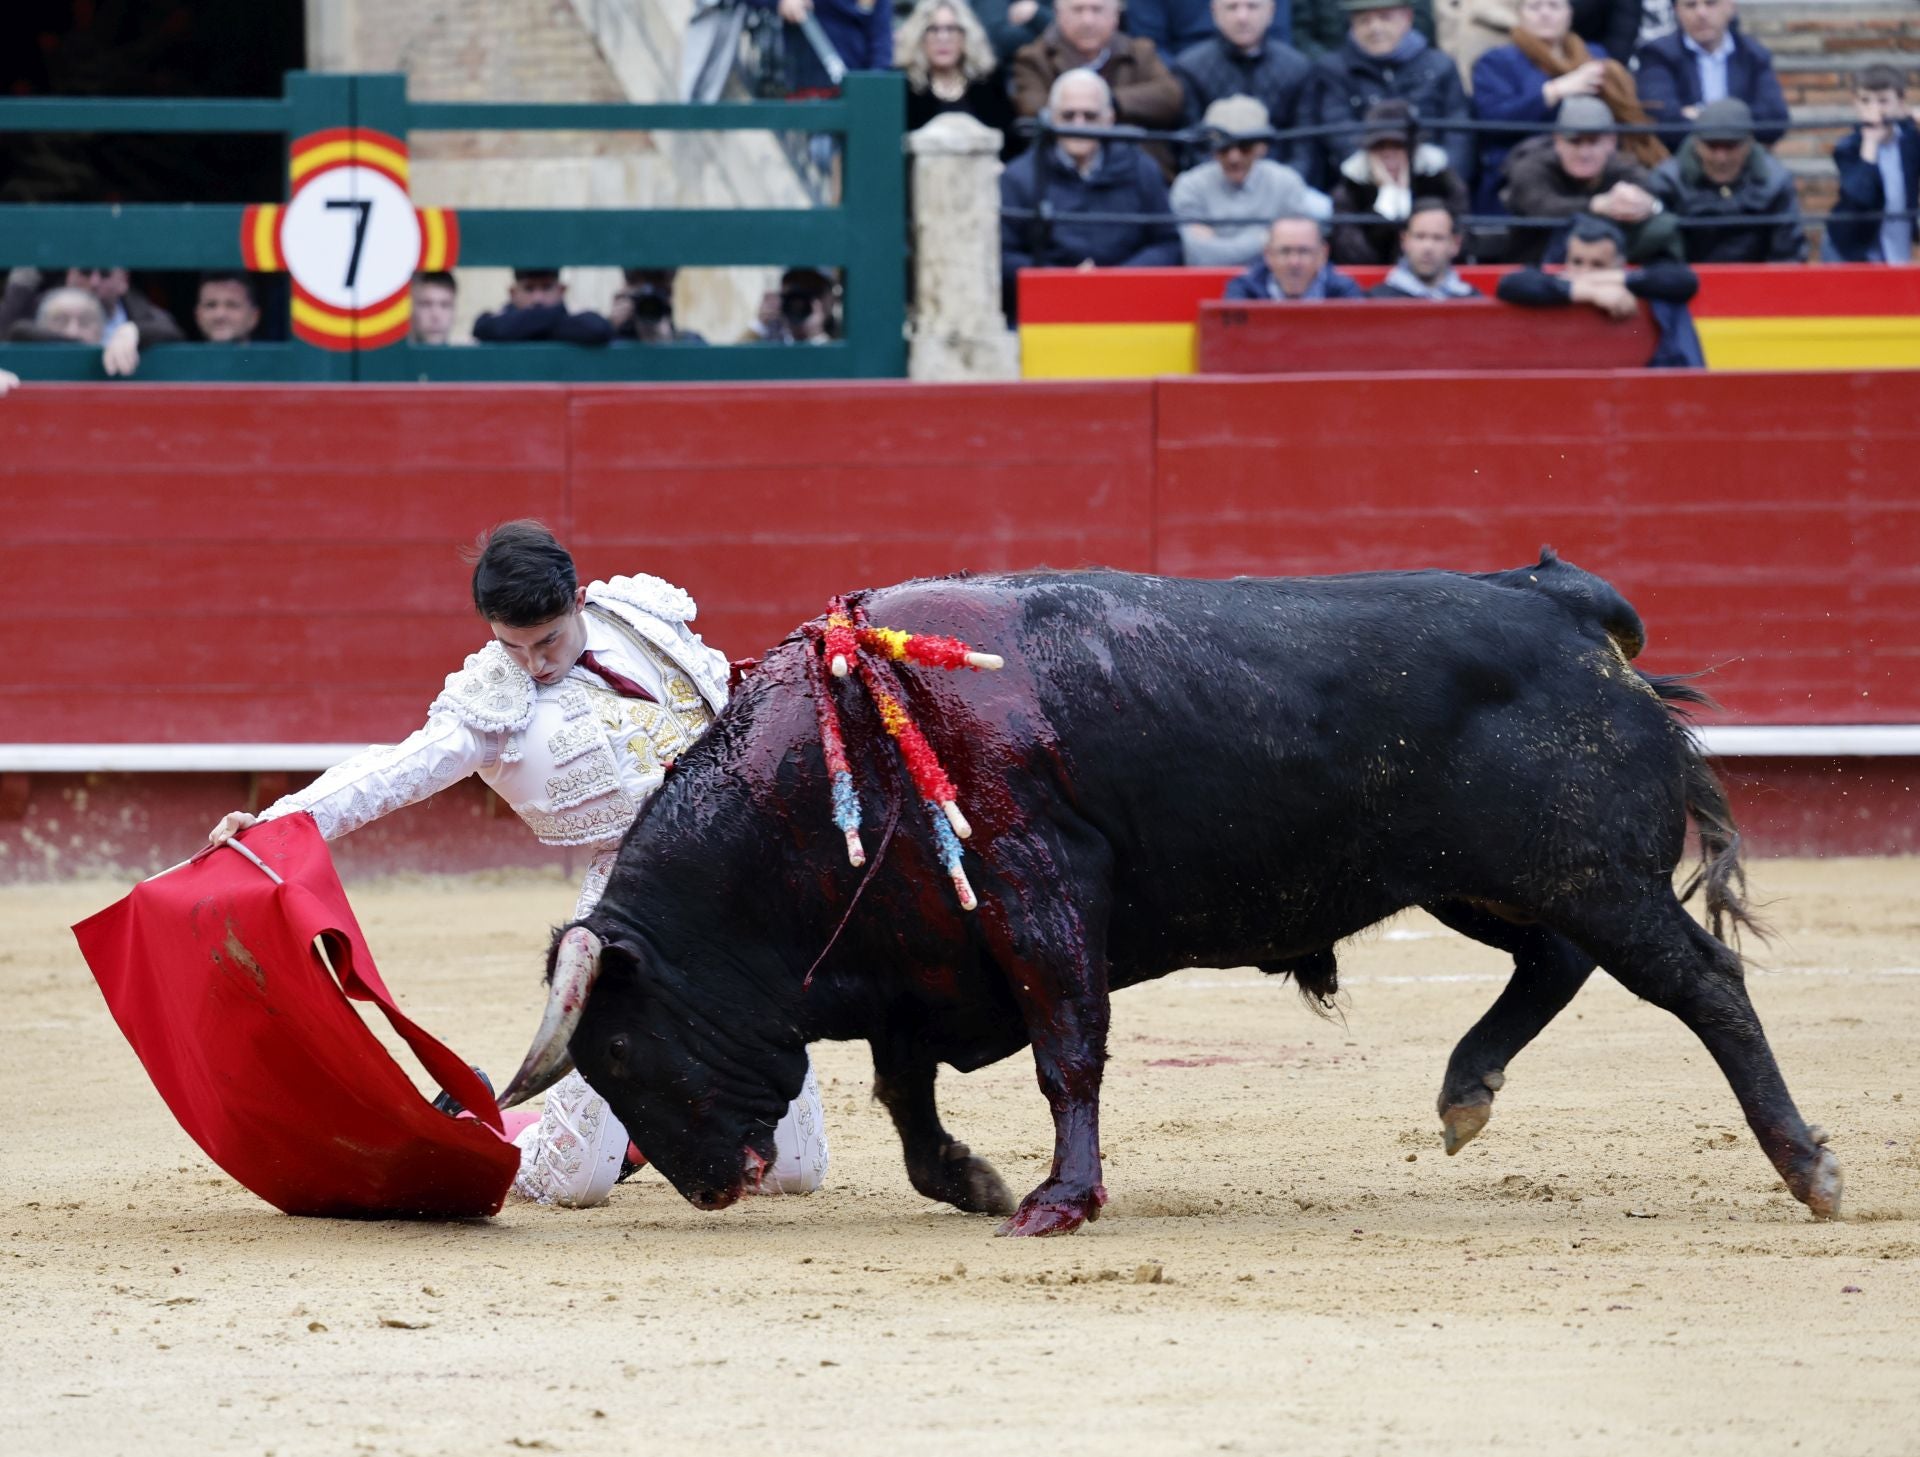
pixel 643 311
pixel 801 311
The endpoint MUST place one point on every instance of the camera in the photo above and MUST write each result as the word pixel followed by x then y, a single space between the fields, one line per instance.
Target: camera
pixel 796 306
pixel 650 305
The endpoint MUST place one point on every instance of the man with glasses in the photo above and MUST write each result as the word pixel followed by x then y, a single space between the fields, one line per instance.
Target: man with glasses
pixel 1232 199
pixel 132 321
pixel 1720 175
pixel 1706 59
pixel 1294 267
pixel 1045 189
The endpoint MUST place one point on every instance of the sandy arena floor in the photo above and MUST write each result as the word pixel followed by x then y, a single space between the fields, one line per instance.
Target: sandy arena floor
pixel 1612 1267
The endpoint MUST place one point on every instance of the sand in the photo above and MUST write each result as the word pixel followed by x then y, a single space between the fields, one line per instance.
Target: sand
pixel 1611 1267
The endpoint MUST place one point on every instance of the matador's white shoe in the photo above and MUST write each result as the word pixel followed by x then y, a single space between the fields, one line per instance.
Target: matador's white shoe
pixel 800 1145
pixel 571 1157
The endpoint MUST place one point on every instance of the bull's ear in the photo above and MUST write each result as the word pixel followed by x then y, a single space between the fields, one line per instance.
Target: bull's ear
pixel 620 960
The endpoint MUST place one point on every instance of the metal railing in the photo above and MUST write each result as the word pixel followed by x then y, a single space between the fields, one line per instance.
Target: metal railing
pixel 864 236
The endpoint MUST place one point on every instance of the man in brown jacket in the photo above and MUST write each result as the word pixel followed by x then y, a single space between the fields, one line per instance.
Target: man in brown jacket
pixel 1087 33
pixel 1581 169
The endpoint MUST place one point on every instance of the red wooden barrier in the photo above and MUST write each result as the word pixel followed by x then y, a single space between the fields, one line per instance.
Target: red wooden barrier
pixel 1374 336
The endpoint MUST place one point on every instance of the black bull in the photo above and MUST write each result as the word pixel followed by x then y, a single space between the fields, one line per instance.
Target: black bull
pixel 1167 774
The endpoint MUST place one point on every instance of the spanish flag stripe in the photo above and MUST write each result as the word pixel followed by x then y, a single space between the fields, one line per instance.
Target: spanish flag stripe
pixel 433 240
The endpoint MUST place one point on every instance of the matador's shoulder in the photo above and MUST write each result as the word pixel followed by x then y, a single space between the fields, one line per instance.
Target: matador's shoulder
pixel 490 692
pixel 652 595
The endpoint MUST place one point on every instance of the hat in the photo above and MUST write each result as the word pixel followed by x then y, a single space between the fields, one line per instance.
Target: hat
pixel 1237 116
pixel 1582 116
pixel 1391 120
pixel 1727 120
pixel 1354 7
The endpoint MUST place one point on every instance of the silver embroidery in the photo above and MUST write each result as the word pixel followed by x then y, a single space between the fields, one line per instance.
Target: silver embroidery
pixel 574 739
pixel 589 824
pixel 491 692
pixel 592 777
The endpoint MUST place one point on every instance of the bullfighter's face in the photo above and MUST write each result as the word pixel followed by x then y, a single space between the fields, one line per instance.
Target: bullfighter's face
pixel 698 1098
pixel 547 650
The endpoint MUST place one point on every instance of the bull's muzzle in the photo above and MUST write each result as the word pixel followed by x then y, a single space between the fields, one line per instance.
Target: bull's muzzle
pixel 575 966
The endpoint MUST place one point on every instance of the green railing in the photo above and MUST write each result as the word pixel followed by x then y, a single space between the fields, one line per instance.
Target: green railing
pixel 864 237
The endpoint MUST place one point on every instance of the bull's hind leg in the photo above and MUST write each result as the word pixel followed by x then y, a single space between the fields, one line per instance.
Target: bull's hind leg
pixel 940 1166
pixel 1659 952
pixel 1548 970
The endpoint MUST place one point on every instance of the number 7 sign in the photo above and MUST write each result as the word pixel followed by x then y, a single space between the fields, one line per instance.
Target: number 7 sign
pixel 351 238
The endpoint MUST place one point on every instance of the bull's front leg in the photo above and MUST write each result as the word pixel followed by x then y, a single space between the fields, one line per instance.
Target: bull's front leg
pixel 940 1166
pixel 1069 1051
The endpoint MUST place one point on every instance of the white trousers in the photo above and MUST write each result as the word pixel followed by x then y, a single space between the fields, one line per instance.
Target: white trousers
pixel 572 1155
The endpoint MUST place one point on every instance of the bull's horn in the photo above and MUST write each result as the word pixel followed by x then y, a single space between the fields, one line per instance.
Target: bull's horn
pixel 575 966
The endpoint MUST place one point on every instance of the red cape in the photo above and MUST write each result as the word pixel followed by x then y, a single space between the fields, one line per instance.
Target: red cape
pixel 213 973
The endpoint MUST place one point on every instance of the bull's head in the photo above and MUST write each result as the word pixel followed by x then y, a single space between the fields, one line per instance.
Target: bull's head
pixel 695 1065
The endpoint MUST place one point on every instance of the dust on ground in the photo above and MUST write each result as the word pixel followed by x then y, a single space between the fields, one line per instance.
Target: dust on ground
pixel 1288 1262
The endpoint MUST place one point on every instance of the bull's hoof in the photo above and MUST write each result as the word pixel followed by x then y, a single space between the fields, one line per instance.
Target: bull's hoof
pixel 1054 1214
pixel 970 1183
pixel 1462 1121
pixel 1818 1185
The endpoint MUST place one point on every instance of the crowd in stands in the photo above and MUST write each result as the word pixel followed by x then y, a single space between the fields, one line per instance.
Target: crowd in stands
pixel 1302 136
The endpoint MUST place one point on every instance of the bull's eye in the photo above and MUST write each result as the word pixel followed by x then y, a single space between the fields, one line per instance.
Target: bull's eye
pixel 617 1049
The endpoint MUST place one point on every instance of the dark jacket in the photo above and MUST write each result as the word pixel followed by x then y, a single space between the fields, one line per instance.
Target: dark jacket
pixel 1669 80
pixel 1614 24
pixel 1007 37
pixel 985 100
pixel 544 324
pixel 1174 25
pixel 1124 180
pixel 1348 81
pixel 1257 283
pixel 1355 192
pixel 1144 90
pixel 1763 189
pixel 1862 189
pixel 1277 77
pixel 1665 288
pixel 1506 87
pixel 1320 26
pixel 862 38
pixel 1538 187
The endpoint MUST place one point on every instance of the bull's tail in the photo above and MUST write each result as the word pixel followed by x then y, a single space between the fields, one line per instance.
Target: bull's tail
pixel 1720 873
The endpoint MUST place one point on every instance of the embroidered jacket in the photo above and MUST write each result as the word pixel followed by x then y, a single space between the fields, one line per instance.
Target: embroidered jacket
pixel 574 759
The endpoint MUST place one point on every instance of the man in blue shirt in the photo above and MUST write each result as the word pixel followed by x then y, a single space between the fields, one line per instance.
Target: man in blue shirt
pixel 1708 58
pixel 1294 266
pixel 1879 166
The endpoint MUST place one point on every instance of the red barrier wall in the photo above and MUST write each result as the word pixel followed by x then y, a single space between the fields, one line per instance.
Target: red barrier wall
pixel 273 564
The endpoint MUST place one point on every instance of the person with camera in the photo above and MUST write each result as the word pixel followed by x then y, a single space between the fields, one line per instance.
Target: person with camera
pixel 643 310
pixel 800 311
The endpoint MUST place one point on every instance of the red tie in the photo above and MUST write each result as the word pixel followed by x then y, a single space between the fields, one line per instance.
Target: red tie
pixel 619 682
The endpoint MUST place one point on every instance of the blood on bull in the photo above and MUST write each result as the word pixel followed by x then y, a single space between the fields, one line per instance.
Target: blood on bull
pixel 1167 774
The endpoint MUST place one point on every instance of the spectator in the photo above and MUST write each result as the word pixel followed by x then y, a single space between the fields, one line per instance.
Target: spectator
pixel 1467 29
pixel 1597 273
pixel 1011 24
pixel 1321 27
pixel 1720 173
pixel 1706 59
pixel 1085 34
pixel 643 310
pixel 536 312
pixel 1175 26
pixel 1527 80
pixel 1581 169
pixel 1051 183
pixel 1384 179
pixel 1240 184
pixel 121 303
pixel 1879 164
pixel 227 308
pixel 1245 59
pixel 1294 266
pixel 434 295
pixel 860 32
pixel 800 311
pixel 74 314
pixel 1428 245
pixel 1385 58
pixel 949 64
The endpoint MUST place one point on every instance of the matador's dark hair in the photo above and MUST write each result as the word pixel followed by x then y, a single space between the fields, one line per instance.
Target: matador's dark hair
pixel 521 575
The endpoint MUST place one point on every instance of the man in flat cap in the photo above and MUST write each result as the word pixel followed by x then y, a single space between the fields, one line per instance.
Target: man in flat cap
pixel 1225 206
pixel 1580 169
pixel 1719 174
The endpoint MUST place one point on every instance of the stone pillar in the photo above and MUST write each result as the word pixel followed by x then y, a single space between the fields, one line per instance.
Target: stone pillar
pixel 958 331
